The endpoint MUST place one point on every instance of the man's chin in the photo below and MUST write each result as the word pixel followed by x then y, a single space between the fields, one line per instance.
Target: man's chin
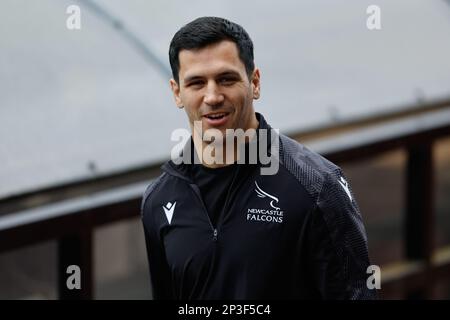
pixel 212 134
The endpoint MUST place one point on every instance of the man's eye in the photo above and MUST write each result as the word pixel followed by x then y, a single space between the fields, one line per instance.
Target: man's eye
pixel 227 81
pixel 195 84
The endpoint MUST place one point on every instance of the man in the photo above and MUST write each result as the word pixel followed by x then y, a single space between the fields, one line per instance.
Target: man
pixel 223 230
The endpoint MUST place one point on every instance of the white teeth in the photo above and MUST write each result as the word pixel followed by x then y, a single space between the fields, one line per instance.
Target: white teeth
pixel 215 116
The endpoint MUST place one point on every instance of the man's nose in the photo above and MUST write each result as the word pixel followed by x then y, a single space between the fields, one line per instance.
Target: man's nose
pixel 213 96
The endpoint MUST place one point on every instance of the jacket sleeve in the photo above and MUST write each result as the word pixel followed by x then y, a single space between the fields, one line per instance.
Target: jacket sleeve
pixel 160 275
pixel 338 243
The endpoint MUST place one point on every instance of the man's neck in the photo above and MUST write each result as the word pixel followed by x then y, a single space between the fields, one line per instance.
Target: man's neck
pixel 208 158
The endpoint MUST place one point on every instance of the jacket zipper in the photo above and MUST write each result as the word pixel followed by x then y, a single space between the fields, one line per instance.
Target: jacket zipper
pixel 197 193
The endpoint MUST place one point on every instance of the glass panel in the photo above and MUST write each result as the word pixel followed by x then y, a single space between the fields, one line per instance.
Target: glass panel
pixel 120 259
pixel 75 104
pixel 378 185
pixel 442 191
pixel 78 103
pixel 29 272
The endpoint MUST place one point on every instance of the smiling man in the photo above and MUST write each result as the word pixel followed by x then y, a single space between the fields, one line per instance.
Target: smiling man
pixel 216 89
pixel 220 228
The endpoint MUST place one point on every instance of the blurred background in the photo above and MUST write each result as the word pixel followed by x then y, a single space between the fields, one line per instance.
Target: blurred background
pixel 86 117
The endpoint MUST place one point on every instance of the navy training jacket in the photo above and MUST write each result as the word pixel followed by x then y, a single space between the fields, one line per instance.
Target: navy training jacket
pixel 297 234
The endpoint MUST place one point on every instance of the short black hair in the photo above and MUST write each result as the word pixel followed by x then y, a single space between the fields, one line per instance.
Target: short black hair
pixel 205 31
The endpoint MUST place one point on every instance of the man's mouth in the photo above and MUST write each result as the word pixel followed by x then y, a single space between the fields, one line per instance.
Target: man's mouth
pixel 217 119
pixel 216 115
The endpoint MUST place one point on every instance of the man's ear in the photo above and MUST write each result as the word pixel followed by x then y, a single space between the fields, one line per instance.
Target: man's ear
pixel 256 85
pixel 176 92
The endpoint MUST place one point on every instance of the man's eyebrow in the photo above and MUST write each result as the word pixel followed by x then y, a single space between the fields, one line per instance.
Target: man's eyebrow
pixel 229 73
pixel 224 73
pixel 191 78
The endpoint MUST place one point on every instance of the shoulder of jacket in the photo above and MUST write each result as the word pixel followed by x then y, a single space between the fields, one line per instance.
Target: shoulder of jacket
pixel 311 169
pixel 151 190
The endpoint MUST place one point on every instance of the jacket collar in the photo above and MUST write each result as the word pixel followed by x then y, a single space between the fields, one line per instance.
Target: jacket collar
pixel 182 170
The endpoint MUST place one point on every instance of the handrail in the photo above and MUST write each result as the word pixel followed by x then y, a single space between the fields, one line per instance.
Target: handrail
pixel 98 182
pixel 73 220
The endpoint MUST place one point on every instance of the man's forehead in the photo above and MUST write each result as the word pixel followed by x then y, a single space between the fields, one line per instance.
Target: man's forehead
pixel 218 57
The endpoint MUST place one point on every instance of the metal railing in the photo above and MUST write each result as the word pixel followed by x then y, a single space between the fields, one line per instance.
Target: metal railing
pixel 72 219
pixel 423 264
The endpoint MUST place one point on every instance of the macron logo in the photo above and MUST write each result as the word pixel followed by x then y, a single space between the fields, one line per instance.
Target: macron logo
pixel 344 185
pixel 169 208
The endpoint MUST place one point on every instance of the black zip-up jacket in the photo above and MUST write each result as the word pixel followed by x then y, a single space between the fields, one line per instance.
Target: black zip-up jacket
pixel 297 234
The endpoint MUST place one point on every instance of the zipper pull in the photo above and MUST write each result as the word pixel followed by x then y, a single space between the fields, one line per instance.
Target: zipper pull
pixel 215 235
